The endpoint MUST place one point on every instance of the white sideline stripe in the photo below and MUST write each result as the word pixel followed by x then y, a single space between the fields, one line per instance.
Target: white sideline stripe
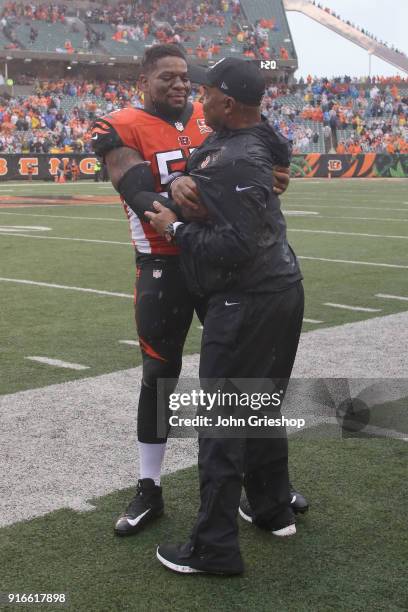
pixel 57 363
pixel 69 288
pixel 73 430
pixel 310 231
pixel 392 297
pixel 129 342
pixel 356 263
pixel 345 307
pixel 312 321
pixel 69 239
pixel 63 217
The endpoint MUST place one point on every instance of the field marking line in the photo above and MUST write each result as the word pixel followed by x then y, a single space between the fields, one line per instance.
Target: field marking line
pixel 385 433
pixel 346 307
pixel 37 206
pixel 18 228
pixel 69 239
pixel 356 263
pixel 335 206
pixel 57 363
pixel 301 213
pixel 391 297
pixel 364 218
pixel 129 342
pixel 310 231
pixel 67 287
pixel 312 321
pixel 63 217
pixel 45 184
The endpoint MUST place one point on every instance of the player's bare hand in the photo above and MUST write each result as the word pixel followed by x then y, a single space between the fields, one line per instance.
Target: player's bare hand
pixel 160 220
pixel 281 179
pixel 184 192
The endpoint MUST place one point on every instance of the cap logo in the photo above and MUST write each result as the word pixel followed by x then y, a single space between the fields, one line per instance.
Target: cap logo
pixel 224 85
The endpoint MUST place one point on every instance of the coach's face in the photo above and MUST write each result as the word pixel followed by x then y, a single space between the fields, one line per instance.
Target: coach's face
pixel 167 86
pixel 217 108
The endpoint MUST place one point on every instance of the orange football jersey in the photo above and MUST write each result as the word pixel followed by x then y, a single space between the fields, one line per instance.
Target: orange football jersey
pixel 165 144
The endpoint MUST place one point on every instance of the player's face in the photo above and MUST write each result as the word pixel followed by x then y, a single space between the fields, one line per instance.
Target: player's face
pixel 216 107
pixel 167 86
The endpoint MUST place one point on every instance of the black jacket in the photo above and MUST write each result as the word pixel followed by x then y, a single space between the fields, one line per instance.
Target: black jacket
pixel 244 246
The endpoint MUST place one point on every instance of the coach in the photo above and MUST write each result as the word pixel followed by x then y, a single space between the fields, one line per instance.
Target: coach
pixel 241 260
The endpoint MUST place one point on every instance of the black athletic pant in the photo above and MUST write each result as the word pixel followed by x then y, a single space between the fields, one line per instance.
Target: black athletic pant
pixel 245 336
pixel 164 310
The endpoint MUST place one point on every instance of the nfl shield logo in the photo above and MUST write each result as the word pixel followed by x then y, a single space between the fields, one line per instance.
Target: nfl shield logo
pixel 179 126
pixel 157 273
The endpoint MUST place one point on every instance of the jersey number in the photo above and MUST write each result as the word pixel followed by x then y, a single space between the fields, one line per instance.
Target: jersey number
pixel 170 161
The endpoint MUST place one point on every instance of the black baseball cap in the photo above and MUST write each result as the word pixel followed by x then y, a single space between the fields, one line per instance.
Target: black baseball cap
pixel 238 78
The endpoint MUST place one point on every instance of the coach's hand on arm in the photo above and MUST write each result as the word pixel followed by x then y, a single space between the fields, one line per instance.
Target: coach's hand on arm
pixel 161 219
pixel 184 192
pixel 281 177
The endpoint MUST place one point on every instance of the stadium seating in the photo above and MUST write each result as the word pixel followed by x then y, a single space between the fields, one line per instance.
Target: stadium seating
pixel 271 10
pixel 51 36
pixel 112 47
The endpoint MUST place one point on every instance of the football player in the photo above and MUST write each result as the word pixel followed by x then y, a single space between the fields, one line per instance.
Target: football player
pixel 145 151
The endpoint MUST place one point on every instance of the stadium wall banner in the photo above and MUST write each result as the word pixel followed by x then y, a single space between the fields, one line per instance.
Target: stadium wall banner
pixel 368 165
pixel 42 167
pixel 313 165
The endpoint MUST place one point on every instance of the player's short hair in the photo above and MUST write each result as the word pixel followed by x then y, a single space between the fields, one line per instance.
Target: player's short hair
pixel 155 53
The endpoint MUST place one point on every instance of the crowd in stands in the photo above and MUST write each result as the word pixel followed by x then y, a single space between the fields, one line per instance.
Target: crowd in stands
pixel 31 12
pixel 174 21
pixel 59 113
pixel 360 29
pixel 373 113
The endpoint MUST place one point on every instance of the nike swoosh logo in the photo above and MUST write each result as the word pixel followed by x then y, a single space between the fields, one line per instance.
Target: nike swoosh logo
pixel 231 303
pixel 95 136
pixel 293 499
pixel 135 521
pixel 237 188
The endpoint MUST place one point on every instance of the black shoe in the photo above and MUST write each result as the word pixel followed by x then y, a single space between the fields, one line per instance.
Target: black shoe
pixel 146 505
pixel 298 503
pixel 283 526
pixel 183 559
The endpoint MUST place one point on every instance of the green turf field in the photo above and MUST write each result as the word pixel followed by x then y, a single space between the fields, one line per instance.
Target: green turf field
pixel 352 238
pixel 369 221
pixel 349 553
